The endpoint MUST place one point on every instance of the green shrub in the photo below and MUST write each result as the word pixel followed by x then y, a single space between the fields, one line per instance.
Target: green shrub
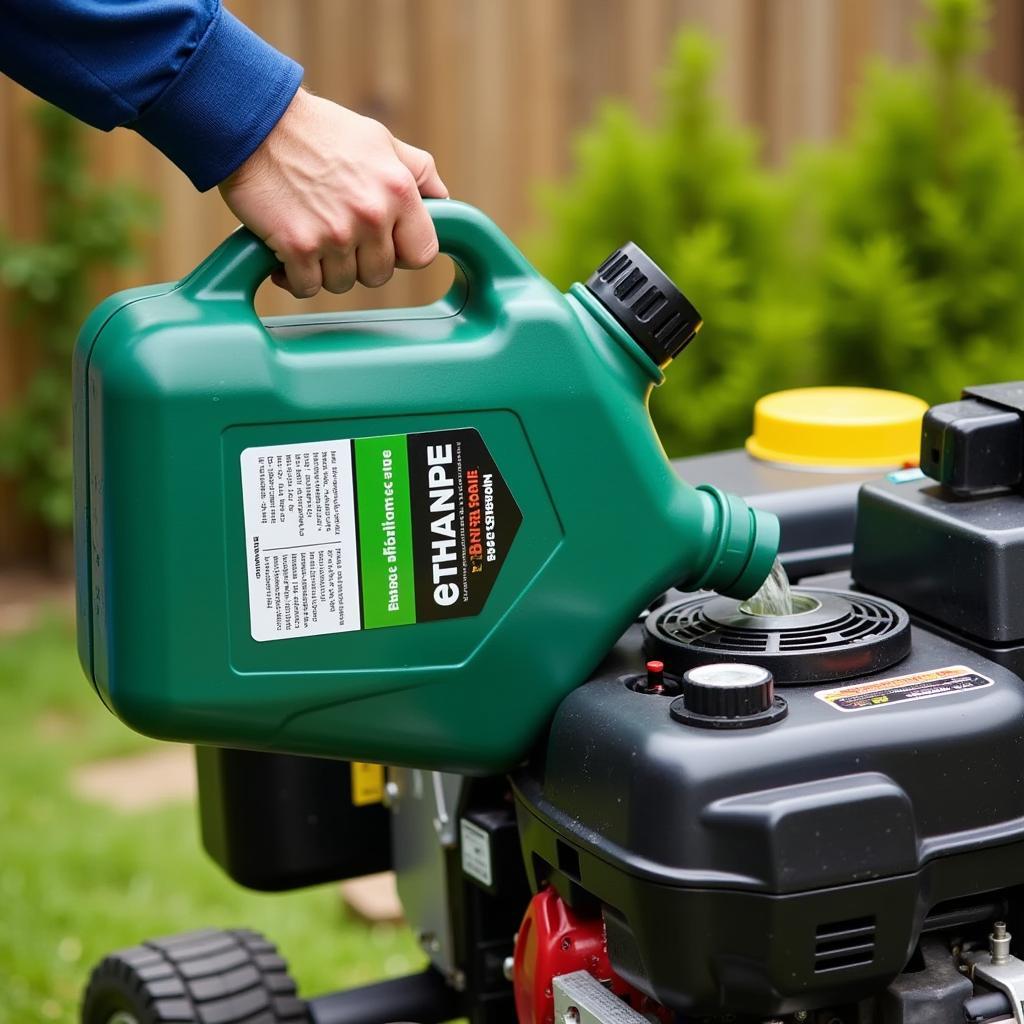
pixel 86 227
pixel 921 261
pixel 893 257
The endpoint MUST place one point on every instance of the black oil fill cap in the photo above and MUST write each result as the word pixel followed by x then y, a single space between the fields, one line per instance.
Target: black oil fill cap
pixel 642 297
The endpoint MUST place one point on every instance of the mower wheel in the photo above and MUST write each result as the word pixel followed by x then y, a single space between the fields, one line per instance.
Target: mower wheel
pixel 202 977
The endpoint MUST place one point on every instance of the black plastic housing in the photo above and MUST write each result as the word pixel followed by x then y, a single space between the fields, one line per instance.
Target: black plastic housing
pixel 276 821
pixel 976 444
pixel 796 863
pixel 971 447
pixel 957 561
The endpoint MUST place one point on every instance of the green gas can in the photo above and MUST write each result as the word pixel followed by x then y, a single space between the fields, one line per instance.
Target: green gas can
pixel 397 536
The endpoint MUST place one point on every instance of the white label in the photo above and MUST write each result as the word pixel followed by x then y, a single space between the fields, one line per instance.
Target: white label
pixel 476 852
pixel 300 526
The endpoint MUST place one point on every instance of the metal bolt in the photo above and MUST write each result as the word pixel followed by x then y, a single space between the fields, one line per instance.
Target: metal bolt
pixel 999 944
pixel 508 967
pixel 571 1016
pixel 429 942
pixel 391 792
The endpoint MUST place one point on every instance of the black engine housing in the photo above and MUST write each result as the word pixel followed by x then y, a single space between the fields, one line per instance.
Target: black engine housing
pixel 785 867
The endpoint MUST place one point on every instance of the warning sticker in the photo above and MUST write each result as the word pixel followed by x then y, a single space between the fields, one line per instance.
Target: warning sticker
pixel 375 531
pixel 476 852
pixel 367 784
pixel 937 682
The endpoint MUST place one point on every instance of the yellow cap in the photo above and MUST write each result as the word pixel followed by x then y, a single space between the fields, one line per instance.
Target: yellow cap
pixel 838 428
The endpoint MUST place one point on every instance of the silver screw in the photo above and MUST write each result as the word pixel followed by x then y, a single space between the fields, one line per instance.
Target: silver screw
pixel 571 1016
pixel 999 944
pixel 508 967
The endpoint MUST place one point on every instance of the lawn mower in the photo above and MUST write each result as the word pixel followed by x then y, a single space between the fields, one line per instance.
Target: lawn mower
pixel 810 817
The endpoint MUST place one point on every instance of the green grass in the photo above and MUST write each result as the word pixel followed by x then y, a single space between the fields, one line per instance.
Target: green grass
pixel 78 879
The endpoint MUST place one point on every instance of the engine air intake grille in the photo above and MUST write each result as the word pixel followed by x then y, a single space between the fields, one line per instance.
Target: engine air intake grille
pixel 843 944
pixel 844 634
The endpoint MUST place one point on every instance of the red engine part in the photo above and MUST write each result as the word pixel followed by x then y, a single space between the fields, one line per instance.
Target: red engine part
pixel 552 940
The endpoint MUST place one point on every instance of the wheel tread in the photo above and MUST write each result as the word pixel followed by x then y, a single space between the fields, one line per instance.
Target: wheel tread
pixel 156 971
pixel 270 961
pixel 289 1008
pixel 227 984
pixel 176 1010
pixel 264 1017
pixel 216 964
pixel 163 988
pixel 279 983
pixel 200 977
pixel 201 947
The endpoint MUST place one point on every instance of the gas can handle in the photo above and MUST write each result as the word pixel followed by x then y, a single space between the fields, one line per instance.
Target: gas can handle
pixel 486 256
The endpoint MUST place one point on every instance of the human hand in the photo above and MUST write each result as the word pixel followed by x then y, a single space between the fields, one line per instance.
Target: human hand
pixel 337 198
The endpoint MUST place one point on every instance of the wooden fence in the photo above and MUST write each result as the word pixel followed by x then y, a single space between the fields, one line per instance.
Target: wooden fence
pixel 495 89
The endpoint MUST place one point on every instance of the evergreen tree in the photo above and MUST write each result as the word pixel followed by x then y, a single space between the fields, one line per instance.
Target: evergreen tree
pixel 893 257
pixel 921 258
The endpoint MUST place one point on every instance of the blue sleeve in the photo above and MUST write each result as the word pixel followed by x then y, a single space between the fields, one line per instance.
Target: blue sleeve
pixel 185 74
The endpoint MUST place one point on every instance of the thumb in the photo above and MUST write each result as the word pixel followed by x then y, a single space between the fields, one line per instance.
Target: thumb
pixel 423 169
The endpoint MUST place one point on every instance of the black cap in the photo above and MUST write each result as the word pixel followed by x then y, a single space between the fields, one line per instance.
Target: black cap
pixel 638 293
pixel 977 444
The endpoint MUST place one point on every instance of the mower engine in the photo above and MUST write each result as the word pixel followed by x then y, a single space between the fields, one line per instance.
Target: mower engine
pixel 821 812
pixel 816 816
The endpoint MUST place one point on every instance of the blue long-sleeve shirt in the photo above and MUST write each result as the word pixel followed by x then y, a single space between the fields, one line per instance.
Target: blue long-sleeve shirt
pixel 185 74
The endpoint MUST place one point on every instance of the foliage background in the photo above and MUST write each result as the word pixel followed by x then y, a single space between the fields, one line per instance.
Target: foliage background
pixel 860 260
pixel 892 257
pixel 86 227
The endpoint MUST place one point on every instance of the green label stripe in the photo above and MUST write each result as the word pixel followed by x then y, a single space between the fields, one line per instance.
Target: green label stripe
pixel 385 531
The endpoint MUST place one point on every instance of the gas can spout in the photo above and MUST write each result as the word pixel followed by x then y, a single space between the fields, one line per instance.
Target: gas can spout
pixel 738 546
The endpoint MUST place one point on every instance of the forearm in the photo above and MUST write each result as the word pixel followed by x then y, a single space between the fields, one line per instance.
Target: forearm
pixel 185 74
pixel 334 194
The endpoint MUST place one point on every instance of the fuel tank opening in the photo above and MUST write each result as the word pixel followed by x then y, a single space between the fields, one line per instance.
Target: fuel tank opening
pixel 830 635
